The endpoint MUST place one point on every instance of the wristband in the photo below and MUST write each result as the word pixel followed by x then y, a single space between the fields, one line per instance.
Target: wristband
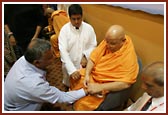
pixel 9 34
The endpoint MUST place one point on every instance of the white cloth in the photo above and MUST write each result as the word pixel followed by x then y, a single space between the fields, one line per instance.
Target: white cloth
pixel 73 44
pixel 25 89
pixel 157 104
pixel 63 7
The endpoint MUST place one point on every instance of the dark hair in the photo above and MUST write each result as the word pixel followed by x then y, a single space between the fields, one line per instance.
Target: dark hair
pixel 36 49
pixel 75 9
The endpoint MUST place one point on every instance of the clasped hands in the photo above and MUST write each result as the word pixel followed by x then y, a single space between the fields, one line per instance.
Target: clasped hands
pixel 90 88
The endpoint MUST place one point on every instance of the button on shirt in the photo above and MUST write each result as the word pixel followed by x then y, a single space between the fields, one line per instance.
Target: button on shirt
pixel 25 89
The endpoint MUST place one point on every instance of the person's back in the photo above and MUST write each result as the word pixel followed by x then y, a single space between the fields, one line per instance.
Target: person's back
pixel 16 87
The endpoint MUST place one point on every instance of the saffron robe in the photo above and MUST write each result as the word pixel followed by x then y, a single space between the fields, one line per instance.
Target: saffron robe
pixel 59 18
pixel 121 66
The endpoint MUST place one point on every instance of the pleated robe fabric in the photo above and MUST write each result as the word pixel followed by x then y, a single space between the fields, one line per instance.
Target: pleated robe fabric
pixel 59 19
pixel 121 65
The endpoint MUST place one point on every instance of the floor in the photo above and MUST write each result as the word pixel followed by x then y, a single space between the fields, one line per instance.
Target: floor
pixel 54 77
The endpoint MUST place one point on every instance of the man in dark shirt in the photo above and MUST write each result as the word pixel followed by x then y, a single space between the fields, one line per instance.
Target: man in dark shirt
pixel 23 22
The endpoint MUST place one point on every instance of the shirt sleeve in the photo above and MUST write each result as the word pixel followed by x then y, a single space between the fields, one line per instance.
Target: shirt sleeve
pixel 41 92
pixel 63 47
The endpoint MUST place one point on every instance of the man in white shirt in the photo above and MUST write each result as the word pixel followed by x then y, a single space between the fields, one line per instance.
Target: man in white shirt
pixel 153 84
pixel 25 87
pixel 76 41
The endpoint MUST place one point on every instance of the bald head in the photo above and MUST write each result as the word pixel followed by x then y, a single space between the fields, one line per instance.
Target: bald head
pixel 155 70
pixel 48 12
pixel 115 38
pixel 116 32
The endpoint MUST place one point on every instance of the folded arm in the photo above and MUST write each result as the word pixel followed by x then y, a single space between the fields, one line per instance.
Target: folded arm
pixel 111 86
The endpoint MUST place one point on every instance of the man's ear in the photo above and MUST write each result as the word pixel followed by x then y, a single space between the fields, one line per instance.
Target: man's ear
pixel 36 63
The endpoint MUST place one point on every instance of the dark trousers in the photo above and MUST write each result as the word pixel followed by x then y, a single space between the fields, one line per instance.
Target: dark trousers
pixel 114 101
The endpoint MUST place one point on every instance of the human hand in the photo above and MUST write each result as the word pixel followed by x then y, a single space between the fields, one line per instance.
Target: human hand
pixel 86 80
pixel 45 29
pixel 12 40
pixel 94 88
pixel 86 90
pixel 83 62
pixel 34 38
pixel 75 75
pixel 50 33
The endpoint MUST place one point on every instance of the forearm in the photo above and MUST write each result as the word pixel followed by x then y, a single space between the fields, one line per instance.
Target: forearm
pixel 114 86
pixel 8 32
pixel 38 29
pixel 7 29
pixel 89 67
pixel 72 96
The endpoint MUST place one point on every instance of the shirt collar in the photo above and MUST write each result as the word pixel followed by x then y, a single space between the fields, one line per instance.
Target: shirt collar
pixel 42 72
pixel 74 28
pixel 156 101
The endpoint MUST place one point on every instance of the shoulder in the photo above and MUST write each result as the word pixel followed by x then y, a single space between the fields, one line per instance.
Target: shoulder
pixel 33 81
pixel 86 25
pixel 66 26
pixel 65 29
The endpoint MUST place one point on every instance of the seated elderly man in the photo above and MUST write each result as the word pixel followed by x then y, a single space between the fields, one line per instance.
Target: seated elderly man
pixel 112 67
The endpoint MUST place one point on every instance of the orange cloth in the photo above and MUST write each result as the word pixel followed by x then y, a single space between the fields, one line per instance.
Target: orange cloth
pixel 59 18
pixel 121 66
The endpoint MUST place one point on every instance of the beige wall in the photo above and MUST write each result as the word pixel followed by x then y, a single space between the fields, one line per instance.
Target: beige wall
pixel 146 30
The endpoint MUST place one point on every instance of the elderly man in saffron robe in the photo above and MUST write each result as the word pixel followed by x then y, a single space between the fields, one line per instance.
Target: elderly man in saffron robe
pixel 112 67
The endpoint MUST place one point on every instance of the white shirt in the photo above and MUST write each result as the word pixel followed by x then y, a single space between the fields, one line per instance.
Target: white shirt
pixel 25 89
pixel 74 43
pixel 157 104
